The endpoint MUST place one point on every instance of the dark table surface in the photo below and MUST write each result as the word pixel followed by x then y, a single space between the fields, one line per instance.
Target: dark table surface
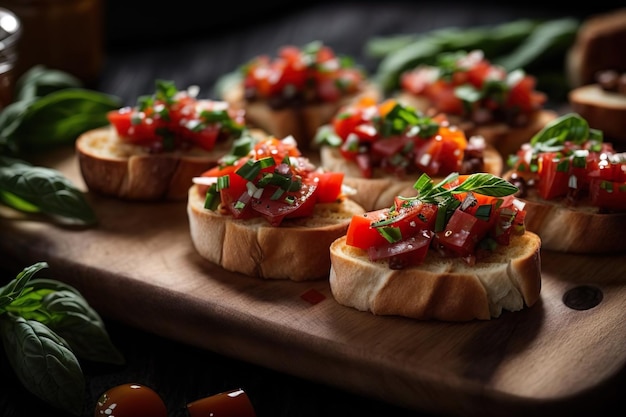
pixel 193 48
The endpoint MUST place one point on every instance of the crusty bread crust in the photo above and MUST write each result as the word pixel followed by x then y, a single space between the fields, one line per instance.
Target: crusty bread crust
pixel 380 191
pixel 599 46
pixel 113 168
pixel 301 122
pixel 574 229
pixel 446 289
pixel 603 110
pixel 506 139
pixel 295 250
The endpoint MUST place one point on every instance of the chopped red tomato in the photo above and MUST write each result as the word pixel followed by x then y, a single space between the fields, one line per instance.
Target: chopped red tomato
pixel 361 233
pixel 555 175
pixel 173 119
pixel 329 184
pixel 462 233
pixel 579 166
pixel 403 253
pixel 608 195
pixel 403 233
pixel 397 139
pixel 273 181
pixel 312 73
pixel 465 84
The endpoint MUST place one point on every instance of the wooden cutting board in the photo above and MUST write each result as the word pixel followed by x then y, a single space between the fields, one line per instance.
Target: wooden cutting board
pixel 139 266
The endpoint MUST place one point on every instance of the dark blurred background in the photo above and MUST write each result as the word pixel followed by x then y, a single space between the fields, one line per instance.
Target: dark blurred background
pixel 191 45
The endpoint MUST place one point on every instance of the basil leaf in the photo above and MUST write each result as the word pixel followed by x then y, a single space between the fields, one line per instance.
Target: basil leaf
pixel 59 118
pixel 13 289
pixel 63 309
pixel 44 188
pixel 486 184
pixel 43 363
pixel 480 183
pixel 39 81
pixel 551 37
pixel 10 118
pixel 568 127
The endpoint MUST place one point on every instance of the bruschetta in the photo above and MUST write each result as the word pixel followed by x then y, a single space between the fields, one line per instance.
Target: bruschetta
pixel 266 211
pixel 153 150
pixel 481 98
pixel 603 104
pixel 456 250
pixel 574 187
pixel 384 147
pixel 297 91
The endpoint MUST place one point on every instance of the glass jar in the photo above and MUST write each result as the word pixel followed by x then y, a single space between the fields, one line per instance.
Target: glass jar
pixel 67 35
pixel 10 32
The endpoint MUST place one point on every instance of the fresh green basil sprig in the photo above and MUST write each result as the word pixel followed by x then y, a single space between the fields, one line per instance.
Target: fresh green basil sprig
pixel 46 326
pixel 34 189
pixel 536 46
pixel 51 109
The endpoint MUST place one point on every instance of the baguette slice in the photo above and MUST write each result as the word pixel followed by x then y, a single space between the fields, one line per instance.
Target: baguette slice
pixel 446 289
pixel 114 168
pixel 505 138
pixel 295 250
pixel 604 110
pixel 599 46
pixel 380 191
pixel 300 122
pixel 574 229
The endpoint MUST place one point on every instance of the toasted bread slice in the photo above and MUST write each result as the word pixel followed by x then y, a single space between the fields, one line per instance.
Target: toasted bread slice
pixel 574 229
pixel 118 169
pixel 295 250
pixel 599 46
pixel 441 288
pixel 604 110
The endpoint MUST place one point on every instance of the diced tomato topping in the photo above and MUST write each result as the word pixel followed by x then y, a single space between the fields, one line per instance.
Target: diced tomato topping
pixel 395 138
pixel 173 119
pixel 462 233
pixel 608 195
pixel 312 73
pixel 360 231
pixel 576 166
pixel 329 186
pixel 554 175
pixel 273 181
pixel 495 93
pixel 403 233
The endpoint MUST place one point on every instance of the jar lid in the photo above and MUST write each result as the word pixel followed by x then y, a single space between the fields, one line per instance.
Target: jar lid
pixel 10 28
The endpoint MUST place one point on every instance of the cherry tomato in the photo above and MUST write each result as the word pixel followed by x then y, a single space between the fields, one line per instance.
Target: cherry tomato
pixel 235 403
pixel 130 400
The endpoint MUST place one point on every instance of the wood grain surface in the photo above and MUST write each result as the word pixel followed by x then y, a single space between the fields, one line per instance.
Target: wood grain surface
pixel 138 266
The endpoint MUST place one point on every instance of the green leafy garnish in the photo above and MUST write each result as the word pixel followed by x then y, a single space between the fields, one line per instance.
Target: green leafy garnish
pixel 537 46
pixel 427 192
pixel 35 189
pixel 570 127
pixel 54 325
